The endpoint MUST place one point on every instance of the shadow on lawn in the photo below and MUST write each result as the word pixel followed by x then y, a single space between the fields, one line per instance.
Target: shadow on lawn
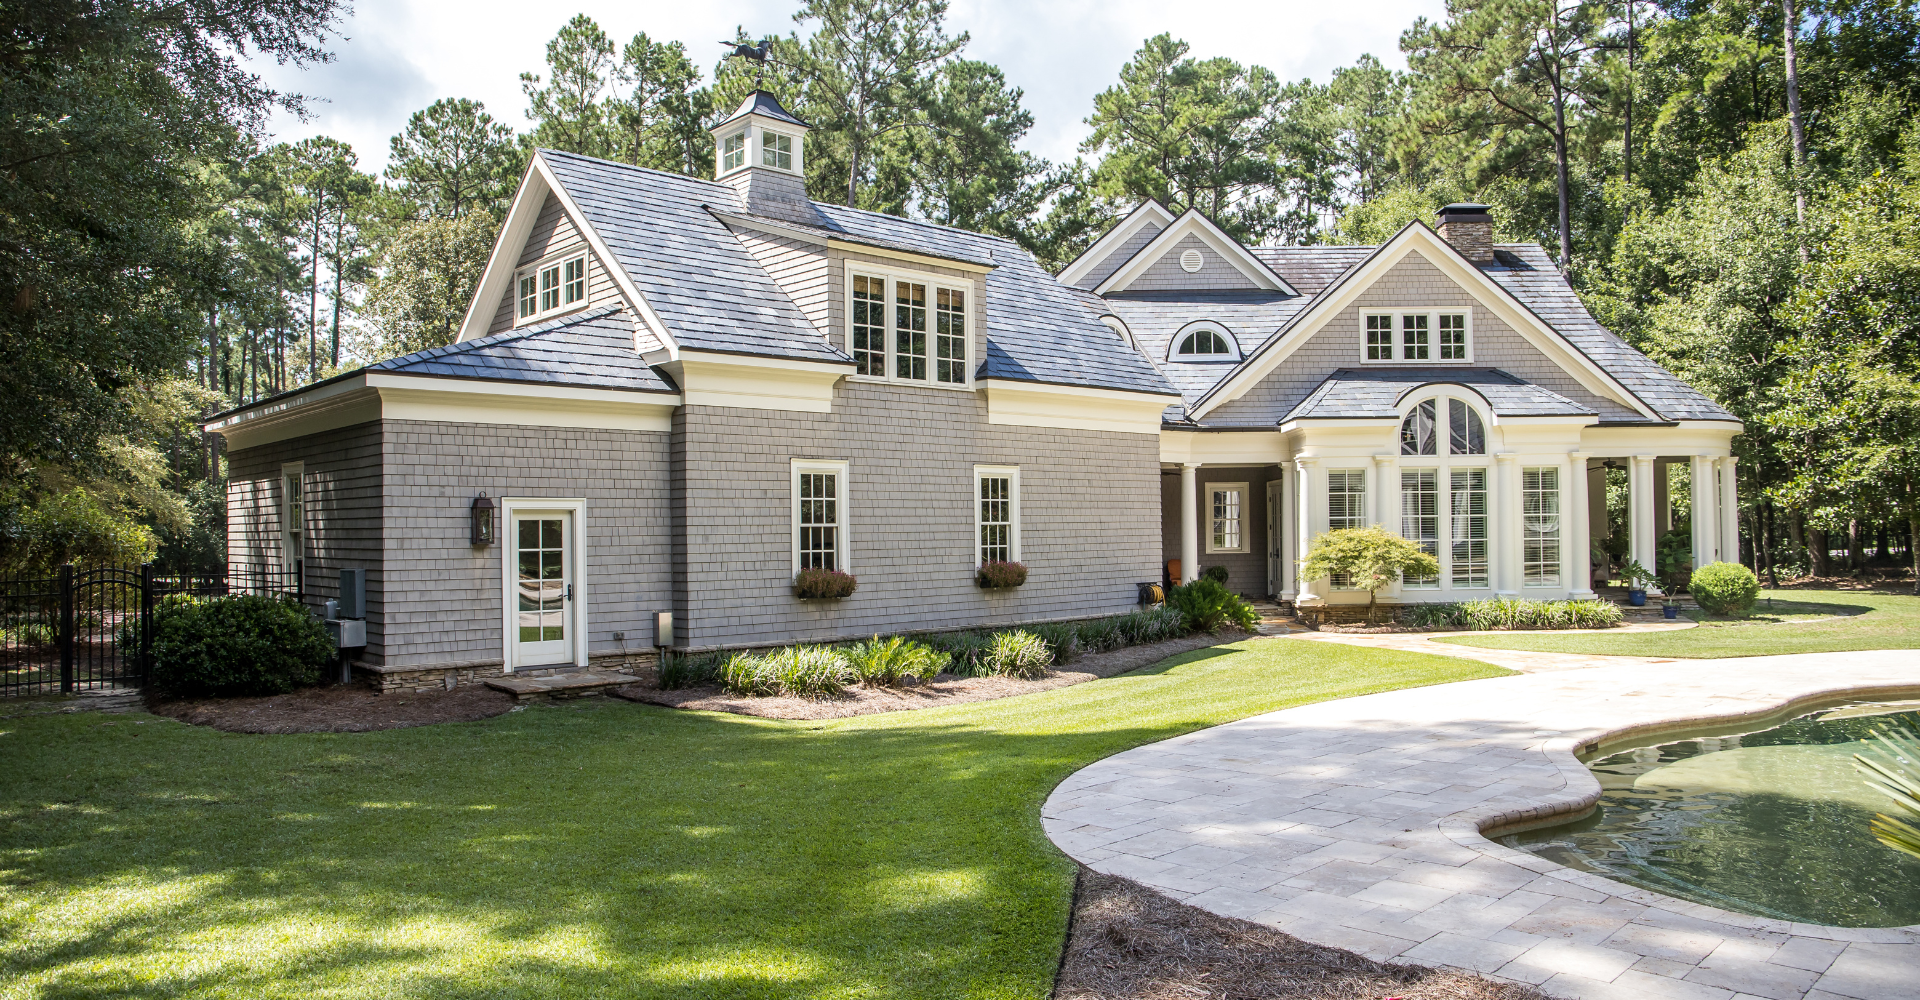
pixel 601 848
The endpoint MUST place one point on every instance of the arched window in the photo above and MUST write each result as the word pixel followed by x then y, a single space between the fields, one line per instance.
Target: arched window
pixel 1205 343
pixel 1420 431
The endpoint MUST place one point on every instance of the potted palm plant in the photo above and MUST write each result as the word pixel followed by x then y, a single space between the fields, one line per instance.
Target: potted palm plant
pixel 1637 578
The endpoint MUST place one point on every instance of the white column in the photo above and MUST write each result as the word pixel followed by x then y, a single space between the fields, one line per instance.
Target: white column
pixel 1729 511
pixel 1189 524
pixel 1386 488
pixel 1504 531
pixel 1576 534
pixel 1290 551
pixel 1706 509
pixel 1642 531
pixel 1662 503
pixel 1307 473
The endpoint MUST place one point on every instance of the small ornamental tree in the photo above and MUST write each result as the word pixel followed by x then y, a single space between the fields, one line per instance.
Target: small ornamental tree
pixel 1371 558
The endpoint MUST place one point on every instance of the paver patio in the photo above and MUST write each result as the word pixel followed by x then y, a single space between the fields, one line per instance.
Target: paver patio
pixel 1357 824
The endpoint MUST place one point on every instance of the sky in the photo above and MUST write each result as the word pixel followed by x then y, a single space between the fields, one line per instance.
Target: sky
pixel 394 57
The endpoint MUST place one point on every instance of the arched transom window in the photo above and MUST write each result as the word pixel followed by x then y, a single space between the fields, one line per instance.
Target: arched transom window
pixel 1203 343
pixel 1421 432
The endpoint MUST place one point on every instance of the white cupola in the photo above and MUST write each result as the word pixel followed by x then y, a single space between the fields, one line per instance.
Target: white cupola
pixel 761 151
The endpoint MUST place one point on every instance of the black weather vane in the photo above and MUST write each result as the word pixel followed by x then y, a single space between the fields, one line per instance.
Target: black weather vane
pixel 757 53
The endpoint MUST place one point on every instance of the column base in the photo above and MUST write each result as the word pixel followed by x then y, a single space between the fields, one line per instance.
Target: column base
pixel 1507 595
pixel 1582 595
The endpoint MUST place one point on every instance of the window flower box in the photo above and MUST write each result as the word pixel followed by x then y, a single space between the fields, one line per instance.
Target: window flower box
pixel 999 575
pixel 823 585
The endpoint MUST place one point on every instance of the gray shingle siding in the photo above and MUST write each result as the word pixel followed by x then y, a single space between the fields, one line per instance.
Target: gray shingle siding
pixel 443 594
pixel 554 232
pixel 1215 274
pixel 798 267
pixel 1120 255
pixel 910 516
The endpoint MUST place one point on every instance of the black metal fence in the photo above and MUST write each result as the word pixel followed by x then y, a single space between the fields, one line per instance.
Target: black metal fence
pixel 88 629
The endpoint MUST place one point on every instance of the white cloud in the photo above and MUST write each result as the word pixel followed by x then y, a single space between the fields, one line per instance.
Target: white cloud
pixel 400 55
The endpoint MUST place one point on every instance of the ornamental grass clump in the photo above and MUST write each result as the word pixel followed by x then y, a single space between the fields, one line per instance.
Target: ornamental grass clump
pixel 1017 654
pixel 1206 605
pixel 1152 625
pixel 798 671
pixel 1724 588
pixel 823 584
pixel 891 662
pixel 999 575
pixel 1099 635
pixel 684 670
pixel 1501 614
pixel 966 651
pixel 1063 640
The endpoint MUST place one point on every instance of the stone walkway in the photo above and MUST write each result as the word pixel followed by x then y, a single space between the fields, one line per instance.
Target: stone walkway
pixel 1525 661
pixel 1356 824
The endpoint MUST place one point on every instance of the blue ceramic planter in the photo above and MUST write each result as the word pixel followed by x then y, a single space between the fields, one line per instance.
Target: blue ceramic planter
pixel 1637 598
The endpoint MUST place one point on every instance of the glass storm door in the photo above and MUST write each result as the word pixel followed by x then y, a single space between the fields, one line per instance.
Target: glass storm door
pixel 543 588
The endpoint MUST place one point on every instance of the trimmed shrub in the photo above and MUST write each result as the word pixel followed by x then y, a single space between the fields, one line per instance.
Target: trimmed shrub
pixel 1207 605
pixel 823 584
pixel 887 662
pixel 233 646
pixel 1218 574
pixel 1063 641
pixel 997 575
pixel 1017 654
pixel 800 671
pixel 1724 588
pixel 684 670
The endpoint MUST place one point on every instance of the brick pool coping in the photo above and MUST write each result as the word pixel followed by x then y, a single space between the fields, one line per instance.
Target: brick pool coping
pixel 1359 824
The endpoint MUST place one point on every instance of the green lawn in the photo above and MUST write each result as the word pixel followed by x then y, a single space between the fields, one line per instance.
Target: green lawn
pixel 601 849
pixel 1872 620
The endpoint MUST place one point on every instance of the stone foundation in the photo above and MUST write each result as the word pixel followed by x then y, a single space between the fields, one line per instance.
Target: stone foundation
pixel 643 666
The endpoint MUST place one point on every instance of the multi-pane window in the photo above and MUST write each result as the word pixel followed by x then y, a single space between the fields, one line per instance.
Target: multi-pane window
pixel 817 496
pixel 869 325
pixel 551 286
pixel 1418 433
pixel 1226 504
pixel 1205 343
pixel 1420 517
pixel 1469 527
pixel 1346 508
pixel 733 152
pixel 950 336
pixel 293 514
pixel 776 150
pixel 1379 338
pixel 997 495
pixel 1466 435
pixel 542 551
pixel 1540 514
pixel 1414 334
pixel 908 330
pixel 1453 337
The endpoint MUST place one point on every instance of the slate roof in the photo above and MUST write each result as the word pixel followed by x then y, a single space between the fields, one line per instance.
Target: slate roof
pixel 762 103
pixel 592 349
pixel 1250 317
pixel 1362 393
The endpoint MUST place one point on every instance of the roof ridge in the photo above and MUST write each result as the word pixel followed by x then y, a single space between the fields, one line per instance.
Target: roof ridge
pixel 710 182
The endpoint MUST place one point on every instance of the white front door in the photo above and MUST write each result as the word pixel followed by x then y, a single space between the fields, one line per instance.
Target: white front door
pixel 1275 582
pixel 543 583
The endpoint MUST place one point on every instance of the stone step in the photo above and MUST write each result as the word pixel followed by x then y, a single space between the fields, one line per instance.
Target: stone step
pixel 571 684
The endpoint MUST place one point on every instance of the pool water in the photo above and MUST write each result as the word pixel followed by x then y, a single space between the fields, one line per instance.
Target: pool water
pixel 1771 823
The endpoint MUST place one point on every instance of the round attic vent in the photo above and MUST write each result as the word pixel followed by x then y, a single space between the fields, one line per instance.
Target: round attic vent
pixel 1191 261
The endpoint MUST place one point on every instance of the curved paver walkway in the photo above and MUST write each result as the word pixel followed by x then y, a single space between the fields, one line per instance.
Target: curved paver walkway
pixel 1356 824
pixel 1524 660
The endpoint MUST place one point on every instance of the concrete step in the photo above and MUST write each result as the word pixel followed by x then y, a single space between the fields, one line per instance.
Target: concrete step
pixel 571 684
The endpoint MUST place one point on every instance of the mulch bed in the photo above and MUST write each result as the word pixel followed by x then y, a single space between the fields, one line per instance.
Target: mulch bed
pixel 336 709
pixel 1131 943
pixel 945 689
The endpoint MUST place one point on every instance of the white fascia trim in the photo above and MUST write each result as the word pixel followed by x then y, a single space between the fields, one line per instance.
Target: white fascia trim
pixel 1338 423
pixel 1015 403
pixel 1116 395
pixel 1143 213
pixel 1486 291
pixel 497 279
pixel 531 390
pixel 758 361
pixel 1194 224
pixel 277 408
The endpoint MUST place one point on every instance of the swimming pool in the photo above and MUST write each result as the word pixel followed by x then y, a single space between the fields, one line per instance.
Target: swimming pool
pixel 1771 823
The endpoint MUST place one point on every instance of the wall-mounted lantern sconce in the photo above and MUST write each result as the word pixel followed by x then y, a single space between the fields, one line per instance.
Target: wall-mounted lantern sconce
pixel 482 520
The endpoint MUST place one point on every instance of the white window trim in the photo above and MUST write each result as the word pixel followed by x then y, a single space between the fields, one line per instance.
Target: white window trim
pixel 842 502
pixel 1365 505
pixel 1010 472
pixel 1173 346
pixel 773 147
pixel 509 506
pixel 1399 346
pixel 287 553
pixel 553 260
pixel 1560 523
pixel 1246 496
pixel 1443 466
pixel 933 282
pixel 746 149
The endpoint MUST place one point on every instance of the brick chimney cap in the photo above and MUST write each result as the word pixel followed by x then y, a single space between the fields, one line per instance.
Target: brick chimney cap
pixel 1464 208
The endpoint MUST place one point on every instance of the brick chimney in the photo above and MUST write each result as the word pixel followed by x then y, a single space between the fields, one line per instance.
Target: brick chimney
pixel 1469 228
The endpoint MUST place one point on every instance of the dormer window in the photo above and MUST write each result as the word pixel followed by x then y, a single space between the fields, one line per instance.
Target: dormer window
pixel 909 327
pixel 734 151
pixel 1203 343
pixel 1416 335
pixel 776 150
pixel 550 287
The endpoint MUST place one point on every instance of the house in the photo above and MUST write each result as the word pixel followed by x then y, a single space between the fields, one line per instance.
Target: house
pixel 673 394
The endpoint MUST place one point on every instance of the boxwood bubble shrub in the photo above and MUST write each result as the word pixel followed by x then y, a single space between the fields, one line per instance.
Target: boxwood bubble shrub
pixel 236 646
pixel 1724 588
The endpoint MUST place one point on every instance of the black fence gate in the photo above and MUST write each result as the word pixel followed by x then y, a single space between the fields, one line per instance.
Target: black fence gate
pixel 90 629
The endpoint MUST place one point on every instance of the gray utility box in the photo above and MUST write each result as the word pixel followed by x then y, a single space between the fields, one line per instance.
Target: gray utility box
pixel 662 629
pixel 348 633
pixel 347 617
